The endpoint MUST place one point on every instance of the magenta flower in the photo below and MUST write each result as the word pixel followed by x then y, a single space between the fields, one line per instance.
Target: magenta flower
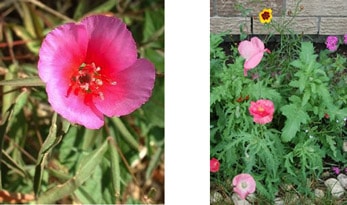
pixel 253 52
pixel 91 69
pixel 332 43
pixel 336 170
pixel 262 111
pixel 214 165
pixel 244 184
pixel 345 39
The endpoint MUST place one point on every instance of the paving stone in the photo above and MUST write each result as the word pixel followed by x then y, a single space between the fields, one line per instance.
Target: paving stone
pixel 319 193
pixel 343 180
pixel 215 197
pixel 237 201
pixel 334 185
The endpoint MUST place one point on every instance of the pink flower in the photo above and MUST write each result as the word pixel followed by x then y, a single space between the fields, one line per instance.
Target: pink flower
pixel 214 165
pixel 91 69
pixel 345 39
pixel 244 184
pixel 253 52
pixel 332 43
pixel 262 111
pixel 336 170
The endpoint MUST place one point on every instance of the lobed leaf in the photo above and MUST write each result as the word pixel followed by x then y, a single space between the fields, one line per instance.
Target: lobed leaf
pixel 295 117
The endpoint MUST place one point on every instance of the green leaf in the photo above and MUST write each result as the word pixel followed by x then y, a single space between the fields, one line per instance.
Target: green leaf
pixel 92 7
pixel 154 109
pixel 307 52
pixel 8 99
pixel 104 7
pixel 23 82
pixel 115 167
pixel 297 64
pixel 5 124
pixel 85 170
pixel 332 144
pixel 10 162
pixel 258 91
pixel 156 57
pixel 91 191
pixel 155 159
pixel 3 130
pixel 56 132
pixel 154 22
pixel 306 97
pixel 288 163
pixel 125 132
pixel 295 116
pixel 32 43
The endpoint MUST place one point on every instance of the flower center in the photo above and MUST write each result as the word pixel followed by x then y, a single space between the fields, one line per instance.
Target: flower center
pixel 88 80
pixel 244 185
pixel 265 15
pixel 261 109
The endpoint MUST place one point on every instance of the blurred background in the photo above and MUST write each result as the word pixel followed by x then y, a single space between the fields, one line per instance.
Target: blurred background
pixel 123 162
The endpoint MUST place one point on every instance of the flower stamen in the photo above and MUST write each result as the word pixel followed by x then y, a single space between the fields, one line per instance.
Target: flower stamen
pixel 88 80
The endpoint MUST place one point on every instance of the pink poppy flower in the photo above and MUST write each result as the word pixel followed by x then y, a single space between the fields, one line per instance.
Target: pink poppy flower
pixel 91 69
pixel 214 165
pixel 262 111
pixel 253 52
pixel 244 184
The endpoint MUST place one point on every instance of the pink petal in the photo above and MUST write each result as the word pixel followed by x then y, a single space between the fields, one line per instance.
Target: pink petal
pixel 73 108
pixel 133 88
pixel 247 49
pixel 63 50
pixel 263 120
pixel 111 45
pixel 258 44
pixel 253 61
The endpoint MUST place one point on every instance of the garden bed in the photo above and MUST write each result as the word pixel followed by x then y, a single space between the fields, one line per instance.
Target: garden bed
pixel 232 130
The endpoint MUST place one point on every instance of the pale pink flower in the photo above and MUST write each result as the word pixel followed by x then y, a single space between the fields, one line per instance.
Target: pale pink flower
pixel 345 39
pixel 332 43
pixel 262 111
pixel 244 184
pixel 214 165
pixel 91 69
pixel 253 52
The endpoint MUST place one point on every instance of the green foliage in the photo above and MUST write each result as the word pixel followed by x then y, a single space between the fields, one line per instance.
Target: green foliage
pixel 295 116
pixel 308 126
pixel 43 155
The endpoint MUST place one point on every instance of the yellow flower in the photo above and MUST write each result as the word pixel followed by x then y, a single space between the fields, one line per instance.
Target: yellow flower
pixel 265 16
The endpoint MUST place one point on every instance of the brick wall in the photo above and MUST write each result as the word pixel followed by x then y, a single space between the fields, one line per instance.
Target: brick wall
pixel 323 17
